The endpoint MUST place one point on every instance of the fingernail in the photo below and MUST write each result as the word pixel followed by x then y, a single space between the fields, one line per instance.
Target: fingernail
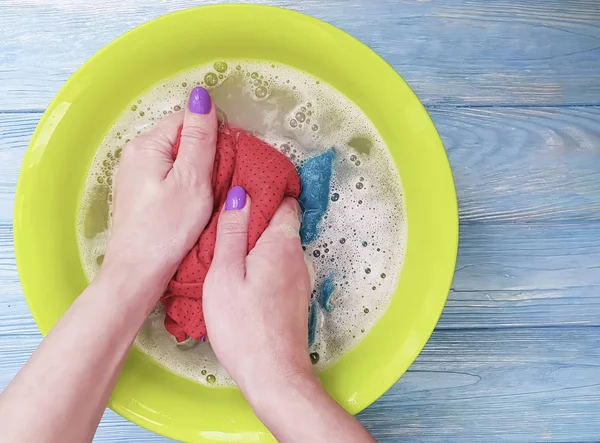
pixel 236 199
pixel 199 101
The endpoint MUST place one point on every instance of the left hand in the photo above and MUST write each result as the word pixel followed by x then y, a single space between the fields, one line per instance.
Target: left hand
pixel 162 205
pixel 256 302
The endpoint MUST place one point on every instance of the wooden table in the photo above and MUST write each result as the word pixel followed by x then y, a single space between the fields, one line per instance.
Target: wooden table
pixel 513 87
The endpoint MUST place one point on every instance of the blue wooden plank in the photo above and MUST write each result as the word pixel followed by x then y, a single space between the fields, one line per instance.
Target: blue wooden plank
pixel 15 132
pixel 510 385
pixel 515 164
pixel 450 52
pixel 509 164
pixel 525 275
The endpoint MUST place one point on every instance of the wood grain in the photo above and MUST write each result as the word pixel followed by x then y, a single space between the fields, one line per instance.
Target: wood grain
pixel 450 52
pixel 511 275
pixel 15 133
pixel 510 385
pixel 515 164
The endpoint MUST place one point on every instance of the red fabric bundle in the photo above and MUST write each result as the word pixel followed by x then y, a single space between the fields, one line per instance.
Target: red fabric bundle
pixel 267 176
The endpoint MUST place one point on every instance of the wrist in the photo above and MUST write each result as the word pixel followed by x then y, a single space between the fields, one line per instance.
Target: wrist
pixel 131 282
pixel 280 390
pixel 300 409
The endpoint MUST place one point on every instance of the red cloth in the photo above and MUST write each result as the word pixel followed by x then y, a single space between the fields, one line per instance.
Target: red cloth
pixel 267 176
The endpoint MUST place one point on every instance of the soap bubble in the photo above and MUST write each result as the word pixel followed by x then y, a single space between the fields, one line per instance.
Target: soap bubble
pixel 220 66
pixel 211 79
pixel 261 92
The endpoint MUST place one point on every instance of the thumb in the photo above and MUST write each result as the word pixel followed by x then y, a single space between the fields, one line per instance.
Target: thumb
pixel 231 246
pixel 198 141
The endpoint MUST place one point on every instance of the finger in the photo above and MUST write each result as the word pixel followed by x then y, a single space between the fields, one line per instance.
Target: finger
pixel 312 271
pixel 231 246
pixel 285 223
pixel 198 141
pixel 279 246
pixel 152 150
pixel 164 133
pixel 280 243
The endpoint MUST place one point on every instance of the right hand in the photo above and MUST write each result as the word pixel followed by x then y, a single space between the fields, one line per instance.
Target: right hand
pixel 256 303
pixel 256 312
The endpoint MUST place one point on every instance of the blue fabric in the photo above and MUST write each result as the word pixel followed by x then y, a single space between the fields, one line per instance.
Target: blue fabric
pixel 327 291
pixel 315 179
pixel 312 324
pixel 322 299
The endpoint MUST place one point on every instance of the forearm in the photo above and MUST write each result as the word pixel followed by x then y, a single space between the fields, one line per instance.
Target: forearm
pixel 63 389
pixel 301 410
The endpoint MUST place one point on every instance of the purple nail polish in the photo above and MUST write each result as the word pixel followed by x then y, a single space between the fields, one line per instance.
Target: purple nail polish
pixel 236 199
pixel 199 101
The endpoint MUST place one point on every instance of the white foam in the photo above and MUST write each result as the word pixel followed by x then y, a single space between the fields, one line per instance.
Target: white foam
pixel 363 234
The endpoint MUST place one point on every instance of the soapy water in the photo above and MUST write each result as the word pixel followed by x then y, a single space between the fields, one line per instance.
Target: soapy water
pixel 362 237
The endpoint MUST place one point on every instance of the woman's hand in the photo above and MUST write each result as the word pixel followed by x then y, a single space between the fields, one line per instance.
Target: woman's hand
pixel 256 311
pixel 162 205
pixel 256 303
pixel 160 209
